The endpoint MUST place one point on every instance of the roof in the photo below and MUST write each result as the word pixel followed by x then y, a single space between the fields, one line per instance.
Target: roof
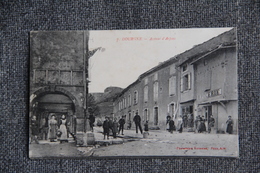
pixel 223 40
pixel 226 39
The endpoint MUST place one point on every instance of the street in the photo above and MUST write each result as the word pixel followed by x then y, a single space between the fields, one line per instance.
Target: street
pixel 158 143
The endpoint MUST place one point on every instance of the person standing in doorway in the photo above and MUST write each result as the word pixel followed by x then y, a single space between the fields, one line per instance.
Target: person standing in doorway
pixel 106 128
pixel 63 129
pixel 121 125
pixel 168 118
pixel 53 126
pixel 34 130
pixel 211 123
pixel 137 120
pixel 229 123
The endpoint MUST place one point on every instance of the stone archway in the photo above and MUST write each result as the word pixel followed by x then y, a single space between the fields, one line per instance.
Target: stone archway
pixel 46 101
pixel 48 90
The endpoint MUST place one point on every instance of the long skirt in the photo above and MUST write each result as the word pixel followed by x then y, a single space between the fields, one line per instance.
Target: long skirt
pixel 202 127
pixel 229 129
pixel 52 132
pixel 64 134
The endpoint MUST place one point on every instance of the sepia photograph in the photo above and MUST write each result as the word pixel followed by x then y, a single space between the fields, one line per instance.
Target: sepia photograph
pixel 118 93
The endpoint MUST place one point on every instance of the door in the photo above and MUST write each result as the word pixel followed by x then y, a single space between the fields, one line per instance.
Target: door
pixel 208 113
pixel 156 116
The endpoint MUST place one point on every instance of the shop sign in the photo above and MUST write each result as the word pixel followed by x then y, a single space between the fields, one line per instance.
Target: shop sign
pixel 214 93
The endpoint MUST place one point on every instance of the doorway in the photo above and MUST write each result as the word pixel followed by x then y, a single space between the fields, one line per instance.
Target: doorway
pixel 207 114
pixel 146 116
pixel 156 113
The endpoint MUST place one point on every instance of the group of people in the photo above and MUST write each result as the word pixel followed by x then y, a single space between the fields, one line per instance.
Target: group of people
pixel 200 126
pixel 115 126
pixel 118 126
pixel 50 129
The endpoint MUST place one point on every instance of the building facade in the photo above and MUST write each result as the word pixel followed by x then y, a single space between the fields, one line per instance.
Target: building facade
pixel 58 75
pixel 201 81
pixel 209 81
pixel 153 95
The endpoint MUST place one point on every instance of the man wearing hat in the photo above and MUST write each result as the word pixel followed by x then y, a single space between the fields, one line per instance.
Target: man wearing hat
pixel 137 120
pixel 106 128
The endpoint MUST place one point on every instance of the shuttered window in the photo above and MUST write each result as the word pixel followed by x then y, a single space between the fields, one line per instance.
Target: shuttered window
pixel 155 91
pixel 146 94
pixel 172 85
pixel 186 82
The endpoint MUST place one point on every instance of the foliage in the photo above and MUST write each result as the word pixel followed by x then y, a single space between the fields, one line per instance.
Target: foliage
pixel 92 105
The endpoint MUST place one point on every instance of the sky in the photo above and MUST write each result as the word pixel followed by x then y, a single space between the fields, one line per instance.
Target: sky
pixel 126 54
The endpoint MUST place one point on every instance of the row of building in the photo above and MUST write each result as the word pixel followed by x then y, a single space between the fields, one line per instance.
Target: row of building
pixel 201 81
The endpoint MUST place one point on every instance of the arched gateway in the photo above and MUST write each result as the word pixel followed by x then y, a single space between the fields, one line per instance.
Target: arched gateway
pixel 48 101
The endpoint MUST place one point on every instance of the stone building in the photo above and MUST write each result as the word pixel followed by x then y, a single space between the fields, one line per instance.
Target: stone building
pixel 200 81
pixel 153 95
pixel 58 75
pixel 209 80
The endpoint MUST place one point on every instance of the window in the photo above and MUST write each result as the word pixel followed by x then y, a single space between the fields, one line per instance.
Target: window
pixel 186 82
pixel 172 69
pixel 172 86
pixel 155 77
pixel 146 81
pixel 146 94
pixel 125 102
pixel 135 97
pixel 184 67
pixel 129 100
pixel 207 80
pixel 171 109
pixel 155 91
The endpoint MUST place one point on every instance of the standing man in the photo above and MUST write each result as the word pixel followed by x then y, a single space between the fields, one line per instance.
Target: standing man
pixel 106 128
pixel 91 121
pixel 110 122
pixel 121 125
pixel 137 120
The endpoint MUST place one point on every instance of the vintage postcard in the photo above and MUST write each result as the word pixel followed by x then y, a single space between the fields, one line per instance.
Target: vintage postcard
pixel 160 92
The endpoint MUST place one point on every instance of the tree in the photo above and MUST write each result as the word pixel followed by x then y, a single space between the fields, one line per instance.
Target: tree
pixel 92 105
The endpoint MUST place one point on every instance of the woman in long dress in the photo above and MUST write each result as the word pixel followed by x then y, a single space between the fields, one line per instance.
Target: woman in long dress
pixel 63 129
pixel 229 123
pixel 202 126
pixel 53 126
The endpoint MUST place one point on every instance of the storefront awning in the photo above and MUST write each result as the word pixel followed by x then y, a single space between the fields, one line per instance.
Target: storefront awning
pixel 221 101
